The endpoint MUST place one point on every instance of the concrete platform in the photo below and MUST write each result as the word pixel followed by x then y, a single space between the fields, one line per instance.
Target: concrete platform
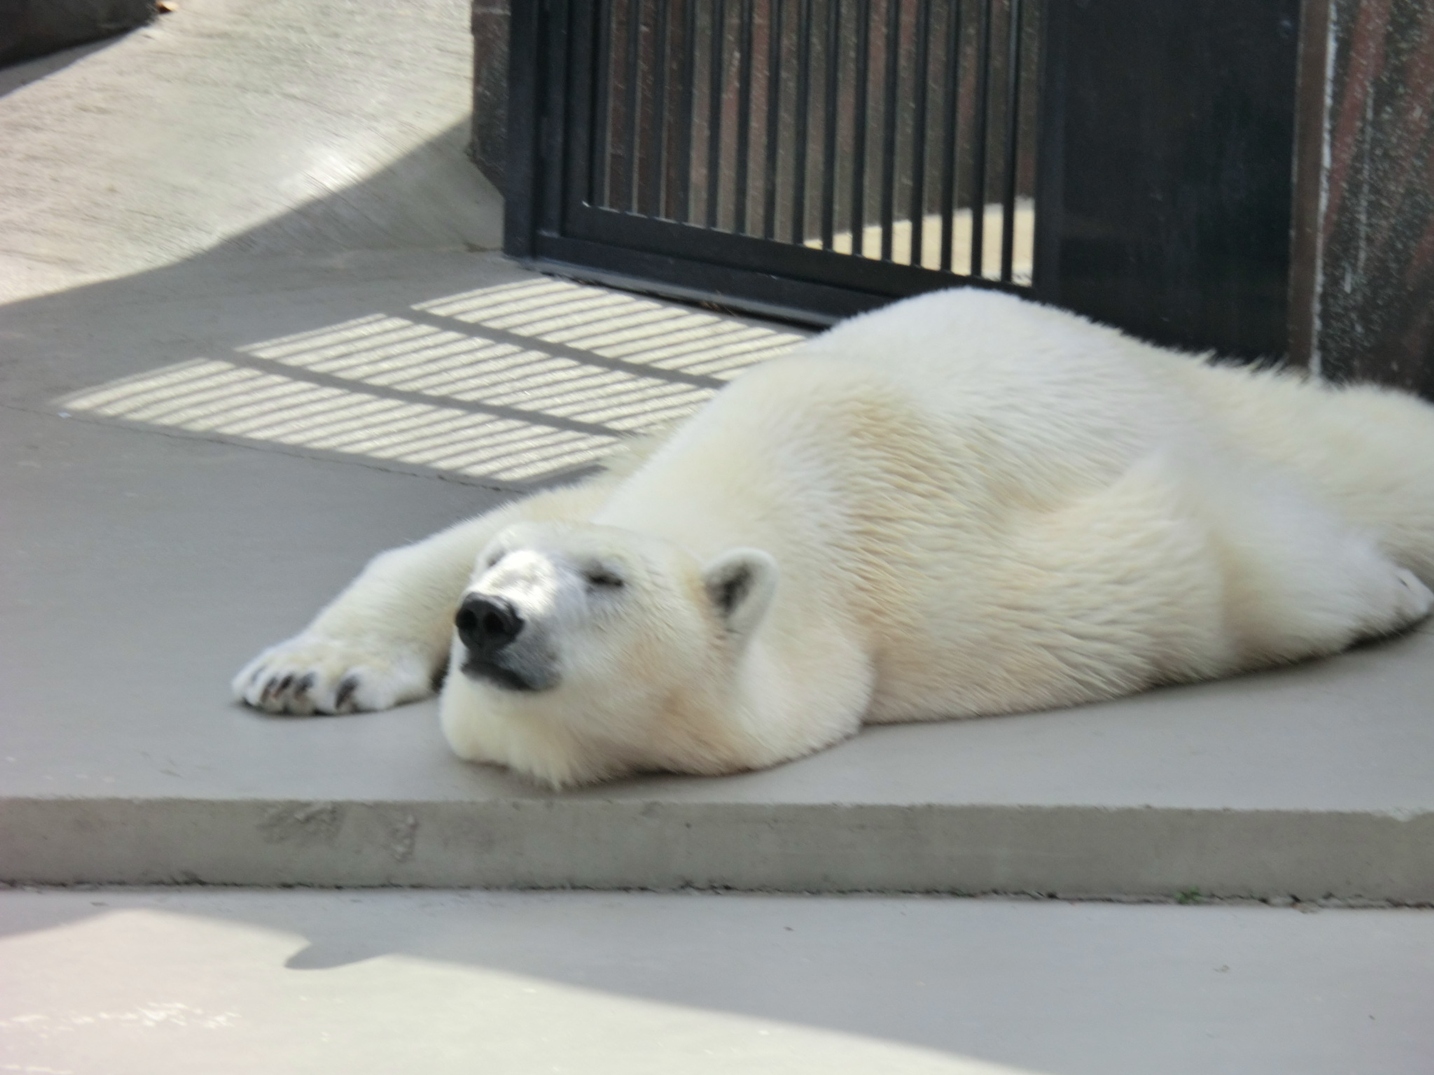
pixel 145 561
pixel 227 382
pixel 112 983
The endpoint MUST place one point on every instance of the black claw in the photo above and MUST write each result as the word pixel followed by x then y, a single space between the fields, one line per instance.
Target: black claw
pixel 301 688
pixel 285 682
pixel 347 686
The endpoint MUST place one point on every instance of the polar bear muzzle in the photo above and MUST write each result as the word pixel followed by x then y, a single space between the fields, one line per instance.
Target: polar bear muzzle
pixel 489 628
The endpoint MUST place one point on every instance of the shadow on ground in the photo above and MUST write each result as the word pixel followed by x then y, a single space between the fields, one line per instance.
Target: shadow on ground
pixel 24 72
pixel 321 332
pixel 838 984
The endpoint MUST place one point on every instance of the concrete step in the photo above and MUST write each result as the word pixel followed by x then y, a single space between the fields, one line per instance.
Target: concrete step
pixel 117 982
pixel 145 561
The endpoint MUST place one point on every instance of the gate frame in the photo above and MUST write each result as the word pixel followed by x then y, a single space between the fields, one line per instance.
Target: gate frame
pixel 1122 234
pixel 552 230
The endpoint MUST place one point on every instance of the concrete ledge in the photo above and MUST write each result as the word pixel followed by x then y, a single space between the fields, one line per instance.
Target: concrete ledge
pixel 132 767
pixel 1067 851
pixel 141 569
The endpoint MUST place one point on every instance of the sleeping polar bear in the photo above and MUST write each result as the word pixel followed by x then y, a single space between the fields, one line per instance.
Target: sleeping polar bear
pixel 962 504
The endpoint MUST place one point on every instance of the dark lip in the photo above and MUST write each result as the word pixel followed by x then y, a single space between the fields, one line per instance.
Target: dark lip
pixel 476 667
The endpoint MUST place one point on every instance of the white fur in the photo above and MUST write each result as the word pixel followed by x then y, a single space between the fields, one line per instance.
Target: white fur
pixel 962 504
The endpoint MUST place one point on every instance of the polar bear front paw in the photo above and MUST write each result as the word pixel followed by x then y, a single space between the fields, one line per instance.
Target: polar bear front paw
pixel 315 674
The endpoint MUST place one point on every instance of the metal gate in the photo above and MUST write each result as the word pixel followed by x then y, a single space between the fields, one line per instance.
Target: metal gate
pixel 1126 159
pixel 816 157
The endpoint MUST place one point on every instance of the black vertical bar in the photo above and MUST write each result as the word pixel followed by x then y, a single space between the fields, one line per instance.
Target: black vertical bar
pixel 978 178
pixel 918 131
pixel 744 118
pixel 658 158
pixel 951 91
pixel 1013 132
pixel 686 119
pixel 1056 29
pixel 803 110
pixel 565 124
pixel 714 110
pixel 634 71
pixel 774 115
pixel 599 180
pixel 893 118
pixel 526 83
pixel 829 147
pixel 859 124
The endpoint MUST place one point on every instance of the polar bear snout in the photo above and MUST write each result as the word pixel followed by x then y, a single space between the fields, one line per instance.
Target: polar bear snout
pixel 501 649
pixel 487 624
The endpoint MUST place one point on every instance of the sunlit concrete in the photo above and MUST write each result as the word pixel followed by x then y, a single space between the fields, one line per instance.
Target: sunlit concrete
pixel 957 240
pixel 111 982
pixel 551 376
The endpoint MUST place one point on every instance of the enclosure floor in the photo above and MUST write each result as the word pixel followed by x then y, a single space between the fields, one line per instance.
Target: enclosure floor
pixel 164 983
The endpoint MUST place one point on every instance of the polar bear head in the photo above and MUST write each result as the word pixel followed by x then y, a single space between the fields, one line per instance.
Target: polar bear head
pixel 583 652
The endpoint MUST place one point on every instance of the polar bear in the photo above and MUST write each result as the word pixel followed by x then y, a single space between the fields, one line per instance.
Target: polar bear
pixel 961 504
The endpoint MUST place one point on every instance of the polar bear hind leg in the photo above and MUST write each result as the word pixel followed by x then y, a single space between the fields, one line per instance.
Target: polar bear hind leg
pixel 1300 581
pixel 1163 576
pixel 1222 566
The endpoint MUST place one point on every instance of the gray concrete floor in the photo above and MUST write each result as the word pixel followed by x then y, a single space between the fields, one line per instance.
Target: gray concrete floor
pixel 252 331
pixel 110 982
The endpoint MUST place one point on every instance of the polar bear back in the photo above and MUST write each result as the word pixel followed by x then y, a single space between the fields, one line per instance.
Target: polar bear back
pixel 993 401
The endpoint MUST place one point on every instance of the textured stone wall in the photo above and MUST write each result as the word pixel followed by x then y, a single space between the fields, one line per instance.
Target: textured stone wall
pixel 1367 308
pixel 490 88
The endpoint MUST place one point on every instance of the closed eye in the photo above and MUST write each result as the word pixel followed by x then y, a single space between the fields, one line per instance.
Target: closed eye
pixel 603 578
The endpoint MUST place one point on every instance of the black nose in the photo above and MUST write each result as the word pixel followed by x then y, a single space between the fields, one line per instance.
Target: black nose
pixel 486 624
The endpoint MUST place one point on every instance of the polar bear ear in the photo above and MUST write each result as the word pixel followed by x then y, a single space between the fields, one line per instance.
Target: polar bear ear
pixel 740 583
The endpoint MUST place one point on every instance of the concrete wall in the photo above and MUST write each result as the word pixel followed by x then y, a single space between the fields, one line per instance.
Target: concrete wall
pixel 490 88
pixel 1363 292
